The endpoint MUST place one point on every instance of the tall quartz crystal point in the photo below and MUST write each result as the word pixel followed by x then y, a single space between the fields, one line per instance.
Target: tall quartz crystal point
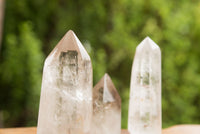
pixel 145 95
pixel 66 95
pixel 106 108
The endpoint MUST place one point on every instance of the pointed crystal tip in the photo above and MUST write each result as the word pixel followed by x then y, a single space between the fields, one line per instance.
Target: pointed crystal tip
pixel 70 31
pixel 70 42
pixel 148 43
pixel 107 89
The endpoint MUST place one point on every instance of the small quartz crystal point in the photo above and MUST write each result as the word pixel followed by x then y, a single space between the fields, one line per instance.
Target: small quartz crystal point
pixel 106 108
pixel 66 94
pixel 145 91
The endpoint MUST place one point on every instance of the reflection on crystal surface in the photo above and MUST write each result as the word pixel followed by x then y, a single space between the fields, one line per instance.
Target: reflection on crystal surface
pixel 66 95
pixel 106 108
pixel 145 95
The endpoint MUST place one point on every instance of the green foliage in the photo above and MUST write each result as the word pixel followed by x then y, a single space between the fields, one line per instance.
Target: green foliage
pixel 20 79
pixel 110 32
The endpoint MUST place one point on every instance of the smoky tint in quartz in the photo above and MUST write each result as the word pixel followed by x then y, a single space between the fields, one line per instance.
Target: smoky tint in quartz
pixel 106 108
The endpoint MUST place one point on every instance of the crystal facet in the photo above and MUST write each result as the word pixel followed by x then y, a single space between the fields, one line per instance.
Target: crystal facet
pixel 66 95
pixel 106 108
pixel 145 95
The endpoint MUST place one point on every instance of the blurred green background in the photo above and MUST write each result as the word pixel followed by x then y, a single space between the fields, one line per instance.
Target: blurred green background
pixel 110 31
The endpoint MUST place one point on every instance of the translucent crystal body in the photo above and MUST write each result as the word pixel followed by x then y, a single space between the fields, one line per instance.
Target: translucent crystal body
pixel 66 95
pixel 145 95
pixel 106 108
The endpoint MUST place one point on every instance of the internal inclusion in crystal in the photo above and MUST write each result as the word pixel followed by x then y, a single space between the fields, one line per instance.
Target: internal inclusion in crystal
pixel 145 95
pixel 66 96
pixel 68 61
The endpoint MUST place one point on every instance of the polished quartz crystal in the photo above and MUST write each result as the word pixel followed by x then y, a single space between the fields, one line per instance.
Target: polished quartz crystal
pixel 106 108
pixel 66 95
pixel 145 93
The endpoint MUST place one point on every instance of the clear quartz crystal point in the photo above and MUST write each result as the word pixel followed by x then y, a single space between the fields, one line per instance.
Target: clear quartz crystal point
pixel 106 108
pixel 145 93
pixel 66 94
